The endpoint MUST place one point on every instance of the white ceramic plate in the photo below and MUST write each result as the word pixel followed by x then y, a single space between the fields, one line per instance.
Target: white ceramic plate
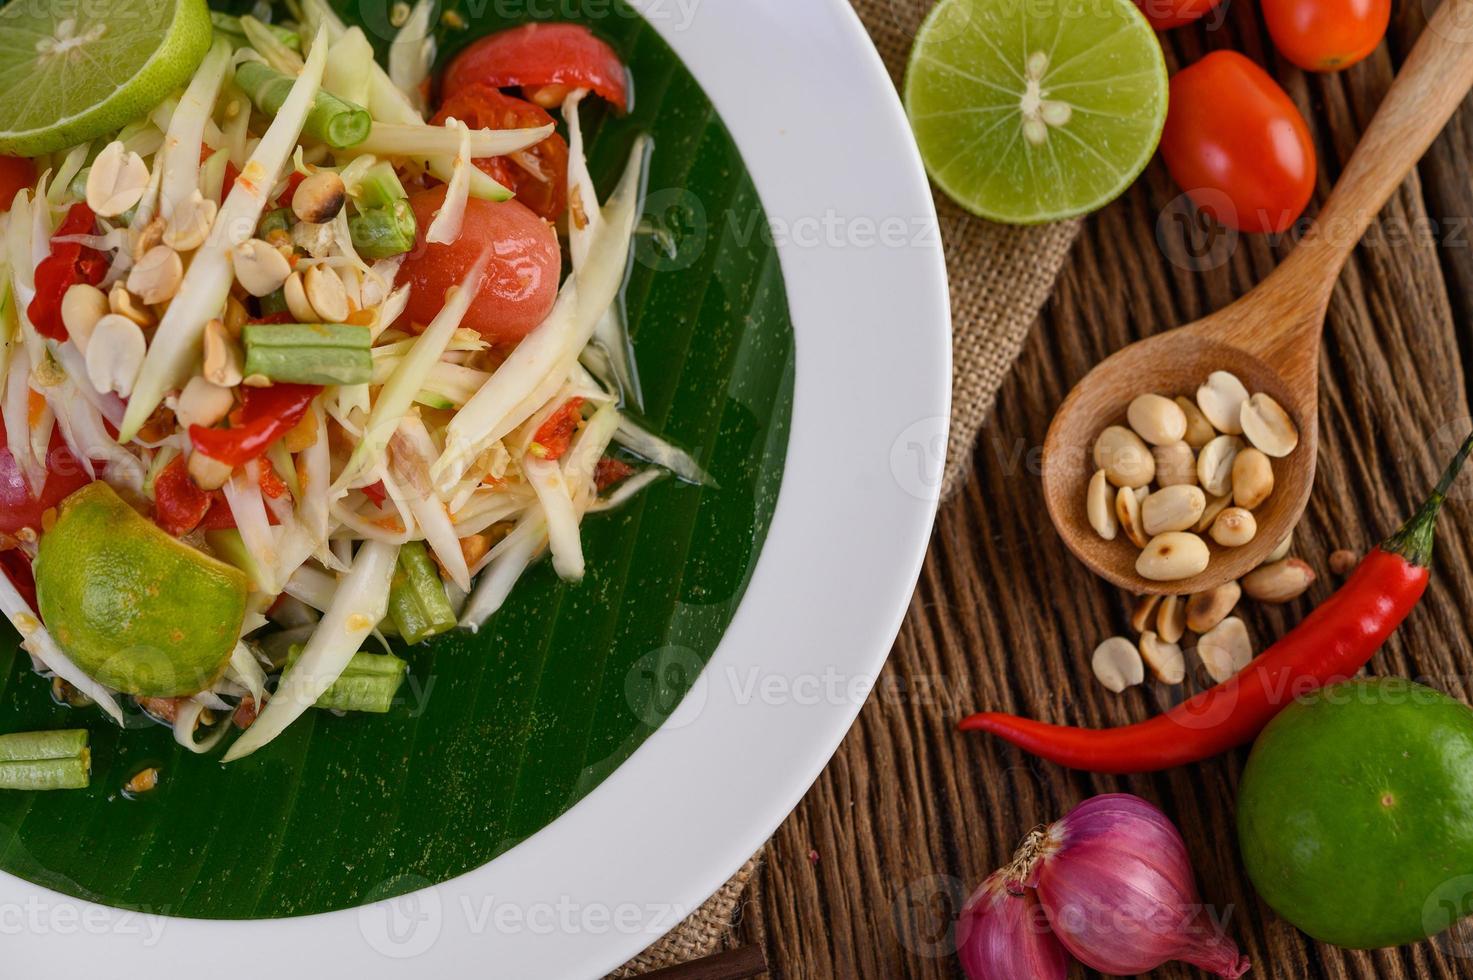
pixel 822 132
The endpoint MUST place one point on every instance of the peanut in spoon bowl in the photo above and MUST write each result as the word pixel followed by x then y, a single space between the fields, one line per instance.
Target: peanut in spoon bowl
pixel 1269 338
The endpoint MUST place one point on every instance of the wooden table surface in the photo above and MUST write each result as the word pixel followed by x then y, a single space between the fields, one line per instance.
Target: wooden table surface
pixel 864 878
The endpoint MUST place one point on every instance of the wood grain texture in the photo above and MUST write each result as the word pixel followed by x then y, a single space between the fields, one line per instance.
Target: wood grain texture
pixel 865 876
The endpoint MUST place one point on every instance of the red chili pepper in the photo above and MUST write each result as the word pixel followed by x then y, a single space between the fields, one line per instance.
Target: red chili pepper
pixel 266 415
pixel 376 492
pixel 556 434
pixel 1332 644
pixel 179 503
pixel 68 264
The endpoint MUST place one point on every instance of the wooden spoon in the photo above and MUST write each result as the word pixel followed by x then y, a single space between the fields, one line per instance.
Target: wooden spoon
pixel 1270 337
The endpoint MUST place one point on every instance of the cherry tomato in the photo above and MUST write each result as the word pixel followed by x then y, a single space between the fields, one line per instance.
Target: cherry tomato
pixel 520 283
pixel 64 474
pixel 1237 145
pixel 539 174
pixel 1166 14
pixel 16 174
pixel 179 503
pixel 1326 35
pixel 537 55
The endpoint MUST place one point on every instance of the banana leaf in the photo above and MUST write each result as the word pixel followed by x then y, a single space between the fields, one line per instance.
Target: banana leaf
pixel 497 733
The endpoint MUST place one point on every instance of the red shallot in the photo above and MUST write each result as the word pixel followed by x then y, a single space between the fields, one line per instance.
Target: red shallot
pixel 1115 881
pixel 1003 935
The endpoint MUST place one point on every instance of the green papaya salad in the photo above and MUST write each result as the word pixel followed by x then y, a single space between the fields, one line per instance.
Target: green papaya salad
pixel 293 358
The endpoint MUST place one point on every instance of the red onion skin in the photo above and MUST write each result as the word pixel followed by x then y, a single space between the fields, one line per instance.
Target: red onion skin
pixel 1002 936
pixel 1117 884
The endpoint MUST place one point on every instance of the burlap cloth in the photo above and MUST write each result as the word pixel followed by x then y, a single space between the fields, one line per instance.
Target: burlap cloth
pixel 1000 276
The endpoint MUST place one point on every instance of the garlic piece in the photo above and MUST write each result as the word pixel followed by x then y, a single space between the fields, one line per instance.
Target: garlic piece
pixel 115 354
pixel 116 181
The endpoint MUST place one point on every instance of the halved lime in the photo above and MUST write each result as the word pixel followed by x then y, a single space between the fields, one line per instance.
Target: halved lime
pixel 70 72
pixel 1028 112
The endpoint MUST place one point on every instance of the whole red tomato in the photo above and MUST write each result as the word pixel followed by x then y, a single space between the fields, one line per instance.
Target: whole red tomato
pixel 537 175
pixel 1237 145
pixel 520 283
pixel 1165 14
pixel 539 55
pixel 1326 35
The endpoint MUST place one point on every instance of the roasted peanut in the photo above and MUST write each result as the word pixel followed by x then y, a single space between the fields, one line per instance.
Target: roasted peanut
pixel 1268 427
pixel 1176 465
pixel 1173 556
pixel 1159 421
pixel 1282 581
pixel 1234 527
pixel 1174 508
pixel 1124 457
pixel 1117 664
pixel 1206 609
pixel 1221 400
pixel 1253 478
pixel 1100 506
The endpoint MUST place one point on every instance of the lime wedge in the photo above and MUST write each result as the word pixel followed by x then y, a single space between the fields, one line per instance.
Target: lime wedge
pixel 1028 112
pixel 71 72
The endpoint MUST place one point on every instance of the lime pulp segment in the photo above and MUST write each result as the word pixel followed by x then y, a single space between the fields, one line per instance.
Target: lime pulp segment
pixel 72 72
pixel 1027 112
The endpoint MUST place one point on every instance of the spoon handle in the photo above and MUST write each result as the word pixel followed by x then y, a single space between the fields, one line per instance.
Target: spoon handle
pixel 1430 86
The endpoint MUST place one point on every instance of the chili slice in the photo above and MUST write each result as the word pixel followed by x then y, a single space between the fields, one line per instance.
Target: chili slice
pixel 1332 644
pixel 556 434
pixel 179 503
pixel 265 415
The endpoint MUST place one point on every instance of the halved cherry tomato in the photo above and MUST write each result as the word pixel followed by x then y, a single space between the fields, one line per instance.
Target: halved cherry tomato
pixel 16 174
pixel 520 283
pixel 536 55
pixel 64 474
pixel 68 264
pixel 539 174
pixel 1237 145
pixel 1166 14
pixel 1326 35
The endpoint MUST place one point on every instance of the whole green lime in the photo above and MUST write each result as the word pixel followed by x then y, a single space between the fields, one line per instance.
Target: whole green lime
pixel 134 608
pixel 1355 813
